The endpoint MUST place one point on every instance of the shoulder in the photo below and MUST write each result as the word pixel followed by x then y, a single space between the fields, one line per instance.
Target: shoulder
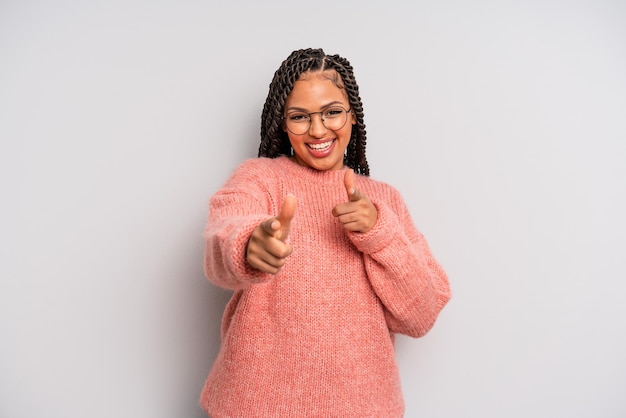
pixel 251 174
pixel 257 164
pixel 259 169
pixel 383 194
pixel 253 180
pixel 377 187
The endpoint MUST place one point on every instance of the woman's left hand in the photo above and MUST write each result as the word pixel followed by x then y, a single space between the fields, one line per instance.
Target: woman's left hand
pixel 358 214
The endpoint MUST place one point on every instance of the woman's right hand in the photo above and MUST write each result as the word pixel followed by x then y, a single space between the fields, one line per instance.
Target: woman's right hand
pixel 268 248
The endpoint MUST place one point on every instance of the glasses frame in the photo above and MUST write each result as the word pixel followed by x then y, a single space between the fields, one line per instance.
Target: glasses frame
pixel 321 113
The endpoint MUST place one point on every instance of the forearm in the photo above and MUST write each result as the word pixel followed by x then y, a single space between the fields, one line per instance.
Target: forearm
pixel 225 252
pixel 404 274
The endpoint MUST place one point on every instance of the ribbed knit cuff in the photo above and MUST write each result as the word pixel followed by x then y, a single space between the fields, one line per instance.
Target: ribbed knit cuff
pixel 382 233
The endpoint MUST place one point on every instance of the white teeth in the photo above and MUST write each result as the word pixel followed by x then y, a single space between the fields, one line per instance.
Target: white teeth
pixel 320 147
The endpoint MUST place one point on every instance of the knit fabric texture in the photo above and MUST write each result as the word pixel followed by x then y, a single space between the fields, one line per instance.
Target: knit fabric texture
pixel 317 338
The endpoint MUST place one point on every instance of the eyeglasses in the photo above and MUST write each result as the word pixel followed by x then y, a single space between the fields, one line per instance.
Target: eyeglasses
pixel 333 118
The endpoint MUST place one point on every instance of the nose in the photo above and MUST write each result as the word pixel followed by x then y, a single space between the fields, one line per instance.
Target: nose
pixel 317 128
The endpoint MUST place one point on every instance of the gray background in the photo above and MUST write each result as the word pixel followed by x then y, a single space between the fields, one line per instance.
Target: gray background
pixel 502 123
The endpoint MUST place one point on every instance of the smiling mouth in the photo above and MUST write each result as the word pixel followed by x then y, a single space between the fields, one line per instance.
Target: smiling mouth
pixel 320 147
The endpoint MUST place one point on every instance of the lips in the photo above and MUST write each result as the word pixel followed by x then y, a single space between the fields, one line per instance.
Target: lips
pixel 321 149
pixel 320 146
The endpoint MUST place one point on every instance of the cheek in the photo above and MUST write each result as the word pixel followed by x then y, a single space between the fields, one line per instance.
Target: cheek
pixel 293 140
pixel 348 129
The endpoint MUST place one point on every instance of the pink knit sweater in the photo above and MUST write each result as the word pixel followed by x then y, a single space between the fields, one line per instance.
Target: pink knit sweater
pixel 316 339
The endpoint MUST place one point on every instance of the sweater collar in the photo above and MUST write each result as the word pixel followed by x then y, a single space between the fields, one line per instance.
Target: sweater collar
pixel 295 169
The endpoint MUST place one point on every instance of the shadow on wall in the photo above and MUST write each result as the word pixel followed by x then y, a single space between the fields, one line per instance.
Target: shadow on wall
pixel 199 337
pixel 213 308
pixel 216 301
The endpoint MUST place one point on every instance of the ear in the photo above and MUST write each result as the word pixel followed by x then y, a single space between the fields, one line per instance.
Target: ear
pixel 353 116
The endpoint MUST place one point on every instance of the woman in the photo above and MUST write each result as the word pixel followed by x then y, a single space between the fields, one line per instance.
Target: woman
pixel 326 264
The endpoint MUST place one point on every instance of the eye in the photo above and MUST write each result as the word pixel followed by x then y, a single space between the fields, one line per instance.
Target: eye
pixel 298 117
pixel 333 112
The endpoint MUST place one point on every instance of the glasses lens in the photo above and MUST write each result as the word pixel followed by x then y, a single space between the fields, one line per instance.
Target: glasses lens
pixel 298 123
pixel 334 118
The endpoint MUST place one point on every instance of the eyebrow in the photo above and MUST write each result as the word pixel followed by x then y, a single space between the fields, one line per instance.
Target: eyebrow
pixel 301 109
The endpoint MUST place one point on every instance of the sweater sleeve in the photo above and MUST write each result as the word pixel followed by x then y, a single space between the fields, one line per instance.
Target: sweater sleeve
pixel 234 212
pixel 402 271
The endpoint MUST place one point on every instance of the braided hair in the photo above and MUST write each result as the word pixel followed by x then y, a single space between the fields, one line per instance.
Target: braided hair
pixel 275 141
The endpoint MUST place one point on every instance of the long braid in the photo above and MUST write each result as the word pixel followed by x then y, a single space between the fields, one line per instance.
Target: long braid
pixel 355 158
pixel 275 141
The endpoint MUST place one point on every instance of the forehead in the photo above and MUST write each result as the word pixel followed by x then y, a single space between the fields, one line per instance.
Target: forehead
pixel 331 75
pixel 317 88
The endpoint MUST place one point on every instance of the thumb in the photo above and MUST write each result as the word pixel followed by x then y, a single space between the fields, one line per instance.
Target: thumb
pixel 286 215
pixel 349 180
